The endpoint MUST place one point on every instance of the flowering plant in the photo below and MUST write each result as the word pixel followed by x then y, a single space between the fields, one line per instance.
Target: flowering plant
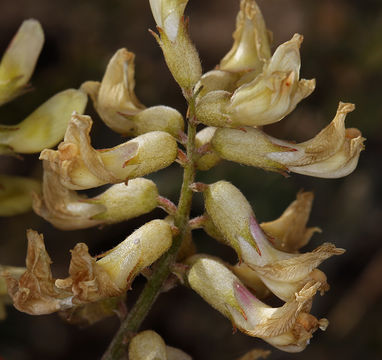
pixel 227 109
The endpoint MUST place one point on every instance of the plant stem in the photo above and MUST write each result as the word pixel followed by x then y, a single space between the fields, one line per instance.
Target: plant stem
pixel 117 348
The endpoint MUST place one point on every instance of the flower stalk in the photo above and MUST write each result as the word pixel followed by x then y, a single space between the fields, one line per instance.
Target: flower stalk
pixel 118 347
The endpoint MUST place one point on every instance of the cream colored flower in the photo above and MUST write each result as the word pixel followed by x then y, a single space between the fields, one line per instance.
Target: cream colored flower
pixel 36 292
pixel 285 327
pixel 16 194
pixel 272 95
pixel 251 47
pixel 46 126
pixel 275 92
pixel 283 273
pixel 80 166
pixel 332 153
pixel 19 60
pixel 148 345
pixel 118 106
pixel 67 210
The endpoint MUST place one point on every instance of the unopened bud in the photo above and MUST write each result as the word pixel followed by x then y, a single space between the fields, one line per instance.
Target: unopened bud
pixel 148 345
pixel 180 54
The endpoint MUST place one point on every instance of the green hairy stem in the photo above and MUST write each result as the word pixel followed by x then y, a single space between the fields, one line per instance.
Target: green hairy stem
pixel 130 325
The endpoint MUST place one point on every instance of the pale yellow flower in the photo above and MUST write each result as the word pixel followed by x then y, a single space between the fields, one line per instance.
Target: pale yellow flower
pixel 272 95
pixel 45 127
pixel 68 210
pixel 283 273
pixel 80 166
pixel 19 60
pixel 284 327
pixel 332 153
pixel 36 292
pixel 118 106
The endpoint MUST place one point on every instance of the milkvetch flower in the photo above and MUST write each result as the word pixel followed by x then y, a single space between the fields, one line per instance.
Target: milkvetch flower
pixel 283 273
pixel 148 345
pixel 272 95
pixel 118 106
pixel 332 153
pixel 285 327
pixel 80 166
pixel 180 54
pixel 45 127
pixel 36 292
pixel 19 60
pixel 67 210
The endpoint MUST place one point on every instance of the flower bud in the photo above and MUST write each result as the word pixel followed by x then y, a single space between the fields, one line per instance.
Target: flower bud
pixel 148 345
pixel 247 146
pixel 283 273
pixel 278 326
pixel 80 166
pixel 19 60
pixel 16 194
pixel 180 54
pixel 118 106
pixel 46 126
pixel 208 159
pixel 289 232
pixel 251 47
pixel 139 250
pixel 67 210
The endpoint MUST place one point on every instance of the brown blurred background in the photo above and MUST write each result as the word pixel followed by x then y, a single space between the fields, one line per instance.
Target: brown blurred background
pixel 342 50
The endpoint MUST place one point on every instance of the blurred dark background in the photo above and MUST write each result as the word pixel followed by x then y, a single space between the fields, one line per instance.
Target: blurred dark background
pixel 342 50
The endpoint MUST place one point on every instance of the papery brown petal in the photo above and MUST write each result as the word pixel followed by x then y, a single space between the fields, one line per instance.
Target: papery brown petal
pixel 289 232
pixel 88 281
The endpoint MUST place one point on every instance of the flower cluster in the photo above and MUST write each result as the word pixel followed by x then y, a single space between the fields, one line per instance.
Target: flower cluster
pixel 250 88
